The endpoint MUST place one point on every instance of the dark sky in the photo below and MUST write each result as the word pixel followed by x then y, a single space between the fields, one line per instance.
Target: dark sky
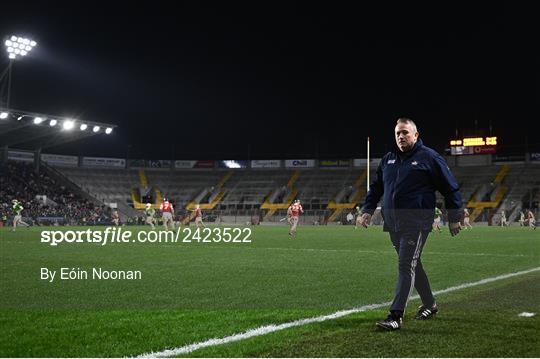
pixel 276 80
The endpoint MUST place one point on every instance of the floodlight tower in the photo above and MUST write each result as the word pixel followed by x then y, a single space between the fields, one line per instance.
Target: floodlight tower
pixel 16 47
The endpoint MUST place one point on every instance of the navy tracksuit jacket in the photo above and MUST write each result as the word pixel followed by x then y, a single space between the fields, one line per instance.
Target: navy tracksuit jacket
pixel 407 182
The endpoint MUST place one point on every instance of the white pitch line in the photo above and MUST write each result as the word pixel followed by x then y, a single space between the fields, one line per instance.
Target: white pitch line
pixel 271 328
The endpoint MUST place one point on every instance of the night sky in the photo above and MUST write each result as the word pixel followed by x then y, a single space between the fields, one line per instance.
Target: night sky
pixel 276 80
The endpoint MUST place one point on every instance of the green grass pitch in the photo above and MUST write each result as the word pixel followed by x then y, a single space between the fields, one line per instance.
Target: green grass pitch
pixel 193 292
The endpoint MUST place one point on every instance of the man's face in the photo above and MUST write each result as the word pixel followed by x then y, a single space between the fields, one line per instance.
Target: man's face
pixel 406 136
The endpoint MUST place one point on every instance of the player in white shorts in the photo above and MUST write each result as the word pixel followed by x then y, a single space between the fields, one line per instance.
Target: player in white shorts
pixel 150 213
pixel 466 219
pixel 198 216
pixel 293 214
pixel 167 211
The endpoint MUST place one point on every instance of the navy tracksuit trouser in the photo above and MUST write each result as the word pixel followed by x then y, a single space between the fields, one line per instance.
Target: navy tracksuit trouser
pixel 409 245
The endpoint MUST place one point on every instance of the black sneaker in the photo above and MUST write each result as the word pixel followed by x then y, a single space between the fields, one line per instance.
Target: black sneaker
pixel 390 323
pixel 425 312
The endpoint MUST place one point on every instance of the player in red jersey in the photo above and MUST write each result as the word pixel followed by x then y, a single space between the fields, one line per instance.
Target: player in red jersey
pixel 198 216
pixel 293 214
pixel 167 211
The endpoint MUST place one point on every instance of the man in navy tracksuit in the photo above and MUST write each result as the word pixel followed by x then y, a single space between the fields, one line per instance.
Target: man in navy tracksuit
pixel 407 180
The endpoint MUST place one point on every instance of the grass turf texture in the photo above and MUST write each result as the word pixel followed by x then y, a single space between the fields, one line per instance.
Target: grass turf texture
pixel 192 292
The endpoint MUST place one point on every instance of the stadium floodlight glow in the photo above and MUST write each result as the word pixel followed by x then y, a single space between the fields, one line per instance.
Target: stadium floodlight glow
pixel 68 124
pixel 53 123
pixel 3 115
pixel 83 127
pixel 231 164
pixel 108 130
pixel 96 129
pixel 19 46
pixel 38 120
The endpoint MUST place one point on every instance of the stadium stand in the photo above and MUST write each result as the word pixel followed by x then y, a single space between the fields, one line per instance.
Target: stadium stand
pixel 84 194
pixel 45 199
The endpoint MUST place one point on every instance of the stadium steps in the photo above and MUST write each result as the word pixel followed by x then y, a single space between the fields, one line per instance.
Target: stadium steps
pixel 293 179
pixel 136 196
pixel 159 197
pixel 142 178
pixel 273 207
pixel 73 186
pixel 479 207
pixel 191 206
pixel 224 179
pixel 339 207
pixel 136 199
pixel 214 201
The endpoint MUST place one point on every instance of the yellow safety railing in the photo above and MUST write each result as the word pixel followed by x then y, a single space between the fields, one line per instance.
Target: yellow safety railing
pixel 273 207
pixel 192 205
pixel 478 207
pixel 339 207
pixel 142 178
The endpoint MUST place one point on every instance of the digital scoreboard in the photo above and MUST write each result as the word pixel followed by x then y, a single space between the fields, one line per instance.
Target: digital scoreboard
pixel 474 146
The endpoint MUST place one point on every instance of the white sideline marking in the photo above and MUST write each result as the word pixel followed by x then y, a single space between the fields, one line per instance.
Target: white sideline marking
pixel 526 314
pixel 266 329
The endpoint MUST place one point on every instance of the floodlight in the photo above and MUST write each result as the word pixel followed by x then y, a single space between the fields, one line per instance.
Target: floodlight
pixel 96 129
pixel 53 123
pixel 68 124
pixel 19 46
pixel 83 127
pixel 3 115
pixel 38 120
pixel 108 130
pixel 20 117
pixel 231 164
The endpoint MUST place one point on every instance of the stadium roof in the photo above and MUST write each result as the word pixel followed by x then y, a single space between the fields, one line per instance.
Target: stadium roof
pixel 32 131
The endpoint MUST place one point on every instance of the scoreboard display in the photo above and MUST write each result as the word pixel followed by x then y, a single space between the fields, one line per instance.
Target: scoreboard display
pixel 474 146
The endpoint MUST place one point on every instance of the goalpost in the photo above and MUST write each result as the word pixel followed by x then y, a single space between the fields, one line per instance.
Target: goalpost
pixel 367 176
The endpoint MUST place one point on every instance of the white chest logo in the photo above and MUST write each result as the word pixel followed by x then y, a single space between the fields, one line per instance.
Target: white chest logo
pixel 414 163
pixel 391 161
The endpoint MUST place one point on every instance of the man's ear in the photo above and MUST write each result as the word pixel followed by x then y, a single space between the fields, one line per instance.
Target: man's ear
pixel 417 134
